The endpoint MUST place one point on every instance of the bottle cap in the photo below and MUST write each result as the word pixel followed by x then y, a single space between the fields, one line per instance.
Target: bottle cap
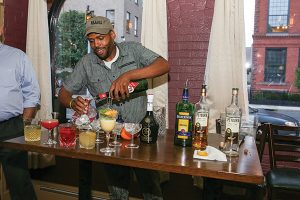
pixel 150 97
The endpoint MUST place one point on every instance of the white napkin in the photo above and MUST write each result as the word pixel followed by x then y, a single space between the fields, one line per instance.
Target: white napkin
pixel 213 154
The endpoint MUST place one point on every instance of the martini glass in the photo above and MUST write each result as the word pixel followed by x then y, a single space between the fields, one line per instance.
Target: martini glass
pixel 107 125
pixel 49 124
pixel 132 128
pixel 116 131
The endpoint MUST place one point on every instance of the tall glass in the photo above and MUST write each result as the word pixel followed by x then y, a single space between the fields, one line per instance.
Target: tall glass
pixel 50 124
pixel 107 125
pixel 132 128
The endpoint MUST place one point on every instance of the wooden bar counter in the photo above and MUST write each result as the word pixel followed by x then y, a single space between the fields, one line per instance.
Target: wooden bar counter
pixel 163 156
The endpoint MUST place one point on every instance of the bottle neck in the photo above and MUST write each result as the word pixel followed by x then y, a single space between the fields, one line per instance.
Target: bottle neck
pixel 149 107
pixel 185 94
pixel 234 99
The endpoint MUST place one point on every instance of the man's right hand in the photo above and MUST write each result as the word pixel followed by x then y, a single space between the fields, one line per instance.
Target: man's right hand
pixel 79 105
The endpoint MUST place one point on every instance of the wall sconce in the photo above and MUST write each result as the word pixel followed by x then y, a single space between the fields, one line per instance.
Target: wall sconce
pixel 89 13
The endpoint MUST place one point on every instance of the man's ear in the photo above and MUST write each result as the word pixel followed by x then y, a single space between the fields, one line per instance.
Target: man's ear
pixel 112 34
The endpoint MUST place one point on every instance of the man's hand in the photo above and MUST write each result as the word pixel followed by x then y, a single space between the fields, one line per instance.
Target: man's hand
pixel 79 105
pixel 119 88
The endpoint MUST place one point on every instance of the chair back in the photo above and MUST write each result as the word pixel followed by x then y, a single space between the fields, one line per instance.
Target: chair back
pixel 261 139
pixel 285 148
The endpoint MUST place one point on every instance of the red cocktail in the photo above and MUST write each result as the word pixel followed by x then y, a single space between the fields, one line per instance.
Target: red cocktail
pixel 67 135
pixel 50 124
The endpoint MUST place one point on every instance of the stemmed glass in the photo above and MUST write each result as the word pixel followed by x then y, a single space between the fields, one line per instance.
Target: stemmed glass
pixel 132 128
pixel 50 124
pixel 116 131
pixel 96 126
pixel 107 125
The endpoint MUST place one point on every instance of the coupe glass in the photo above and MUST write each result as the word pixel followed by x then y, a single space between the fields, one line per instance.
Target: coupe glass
pixel 107 125
pixel 116 132
pixel 49 124
pixel 132 128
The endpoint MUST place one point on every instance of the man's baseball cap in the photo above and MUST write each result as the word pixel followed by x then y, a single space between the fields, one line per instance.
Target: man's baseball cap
pixel 99 25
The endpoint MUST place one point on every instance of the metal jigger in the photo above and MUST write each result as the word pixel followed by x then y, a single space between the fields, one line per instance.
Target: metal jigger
pixel 55 115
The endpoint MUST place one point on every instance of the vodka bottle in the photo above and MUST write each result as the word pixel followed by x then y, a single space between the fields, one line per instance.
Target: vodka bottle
pixel 201 122
pixel 232 126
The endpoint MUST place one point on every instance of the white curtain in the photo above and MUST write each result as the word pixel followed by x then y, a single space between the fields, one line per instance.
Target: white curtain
pixel 38 50
pixel 225 67
pixel 154 37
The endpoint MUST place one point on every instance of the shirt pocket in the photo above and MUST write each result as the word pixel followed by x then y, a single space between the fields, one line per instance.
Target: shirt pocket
pixel 8 78
pixel 128 65
pixel 97 85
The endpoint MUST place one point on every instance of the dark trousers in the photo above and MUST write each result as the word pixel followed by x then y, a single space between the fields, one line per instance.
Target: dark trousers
pixel 14 162
pixel 85 179
pixel 118 180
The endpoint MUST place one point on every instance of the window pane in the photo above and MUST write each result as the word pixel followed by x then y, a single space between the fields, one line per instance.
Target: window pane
pixel 275 65
pixel 110 14
pixel 136 19
pixel 278 15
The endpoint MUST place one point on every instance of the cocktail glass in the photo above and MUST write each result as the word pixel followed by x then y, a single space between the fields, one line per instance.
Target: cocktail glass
pixel 96 127
pixel 116 131
pixel 132 128
pixel 50 124
pixel 107 125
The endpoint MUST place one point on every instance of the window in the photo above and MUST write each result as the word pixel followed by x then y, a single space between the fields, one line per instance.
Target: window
pixel 128 22
pixel 278 15
pixel 275 65
pixel 67 35
pixel 136 2
pixel 110 14
pixel 136 19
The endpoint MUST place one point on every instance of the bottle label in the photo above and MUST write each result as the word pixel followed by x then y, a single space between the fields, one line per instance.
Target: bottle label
pixel 102 95
pixel 233 123
pixel 183 129
pixel 146 135
pixel 132 86
pixel 202 118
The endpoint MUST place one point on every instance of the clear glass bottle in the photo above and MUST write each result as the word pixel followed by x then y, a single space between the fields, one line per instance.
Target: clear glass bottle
pixel 149 125
pixel 201 122
pixel 184 120
pixel 232 126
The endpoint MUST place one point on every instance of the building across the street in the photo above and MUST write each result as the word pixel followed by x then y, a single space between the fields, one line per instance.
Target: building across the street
pixel 276 44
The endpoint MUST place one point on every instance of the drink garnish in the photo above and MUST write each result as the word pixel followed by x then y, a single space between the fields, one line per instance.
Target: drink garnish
pixel 202 153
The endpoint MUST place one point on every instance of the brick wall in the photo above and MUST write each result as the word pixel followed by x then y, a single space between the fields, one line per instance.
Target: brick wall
pixel 15 23
pixel 189 23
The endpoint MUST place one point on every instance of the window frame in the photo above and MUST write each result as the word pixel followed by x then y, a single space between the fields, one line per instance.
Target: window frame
pixel 136 26
pixel 279 29
pixel 128 22
pixel 112 21
pixel 267 67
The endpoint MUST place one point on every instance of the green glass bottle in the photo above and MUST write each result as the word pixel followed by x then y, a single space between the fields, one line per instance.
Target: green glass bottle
pixel 135 88
pixel 184 120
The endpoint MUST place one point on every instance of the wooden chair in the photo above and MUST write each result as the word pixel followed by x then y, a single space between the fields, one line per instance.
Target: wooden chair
pixel 283 180
pixel 261 139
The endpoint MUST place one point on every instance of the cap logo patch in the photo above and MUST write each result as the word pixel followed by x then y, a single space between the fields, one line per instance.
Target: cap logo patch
pixel 96 22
